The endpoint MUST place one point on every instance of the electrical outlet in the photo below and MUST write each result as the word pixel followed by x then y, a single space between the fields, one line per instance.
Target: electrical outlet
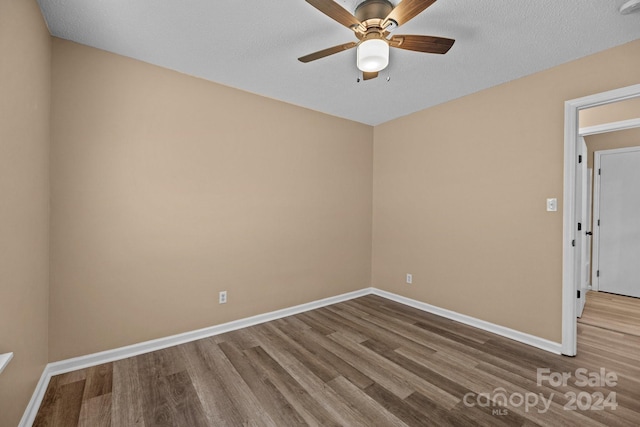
pixel 409 278
pixel 222 297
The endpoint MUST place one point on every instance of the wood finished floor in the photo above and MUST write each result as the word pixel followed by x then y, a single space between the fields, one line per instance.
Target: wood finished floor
pixel 364 362
pixel 613 312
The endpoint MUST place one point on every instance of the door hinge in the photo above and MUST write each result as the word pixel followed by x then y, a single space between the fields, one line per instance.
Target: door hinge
pixel 578 293
pixel 580 158
pixel 579 226
pixel 598 223
pixel 599 171
pixel 598 273
pixel 573 242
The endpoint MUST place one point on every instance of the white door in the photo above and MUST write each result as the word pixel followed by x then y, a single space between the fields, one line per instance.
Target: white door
pixel 617 210
pixel 581 236
pixel 589 233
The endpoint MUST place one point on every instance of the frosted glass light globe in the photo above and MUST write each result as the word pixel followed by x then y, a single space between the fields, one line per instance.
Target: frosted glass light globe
pixel 373 55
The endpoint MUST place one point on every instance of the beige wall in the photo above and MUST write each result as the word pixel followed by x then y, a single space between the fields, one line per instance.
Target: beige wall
pixel 168 189
pixel 25 58
pixel 460 189
pixel 615 112
pixel 618 111
pixel 611 140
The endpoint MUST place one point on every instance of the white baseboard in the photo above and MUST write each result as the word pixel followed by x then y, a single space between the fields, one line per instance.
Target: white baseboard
pixel 82 362
pixel 522 337
pixel 30 413
pixel 4 360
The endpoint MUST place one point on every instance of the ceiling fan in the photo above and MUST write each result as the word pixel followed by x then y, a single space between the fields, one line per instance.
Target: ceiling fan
pixel 372 24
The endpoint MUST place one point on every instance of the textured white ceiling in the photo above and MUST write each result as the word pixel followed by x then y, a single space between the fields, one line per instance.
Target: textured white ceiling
pixel 254 45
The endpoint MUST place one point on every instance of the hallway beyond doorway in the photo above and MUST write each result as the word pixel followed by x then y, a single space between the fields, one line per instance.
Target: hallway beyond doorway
pixel 613 312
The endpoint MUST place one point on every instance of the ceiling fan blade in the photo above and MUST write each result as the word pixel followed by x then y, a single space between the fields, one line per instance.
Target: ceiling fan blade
pixel 336 12
pixel 326 52
pixel 427 44
pixel 407 10
pixel 368 76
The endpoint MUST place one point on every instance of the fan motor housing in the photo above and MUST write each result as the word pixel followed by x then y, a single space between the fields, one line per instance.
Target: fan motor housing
pixel 373 9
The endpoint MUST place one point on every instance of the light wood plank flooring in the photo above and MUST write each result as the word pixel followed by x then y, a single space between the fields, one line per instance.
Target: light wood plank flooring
pixel 364 362
pixel 613 312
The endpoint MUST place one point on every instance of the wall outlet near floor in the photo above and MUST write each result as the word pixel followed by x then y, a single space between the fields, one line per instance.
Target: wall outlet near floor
pixel 409 278
pixel 222 297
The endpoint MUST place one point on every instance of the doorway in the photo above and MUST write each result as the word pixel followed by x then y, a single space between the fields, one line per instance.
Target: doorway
pixel 572 246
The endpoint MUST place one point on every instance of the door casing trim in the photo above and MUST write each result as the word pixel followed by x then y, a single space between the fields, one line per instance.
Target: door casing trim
pixel 569 208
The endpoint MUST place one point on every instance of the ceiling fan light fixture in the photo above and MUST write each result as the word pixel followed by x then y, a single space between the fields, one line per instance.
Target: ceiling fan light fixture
pixel 373 55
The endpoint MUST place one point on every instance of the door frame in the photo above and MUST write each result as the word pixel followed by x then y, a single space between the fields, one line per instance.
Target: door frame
pixel 595 282
pixel 582 185
pixel 570 254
